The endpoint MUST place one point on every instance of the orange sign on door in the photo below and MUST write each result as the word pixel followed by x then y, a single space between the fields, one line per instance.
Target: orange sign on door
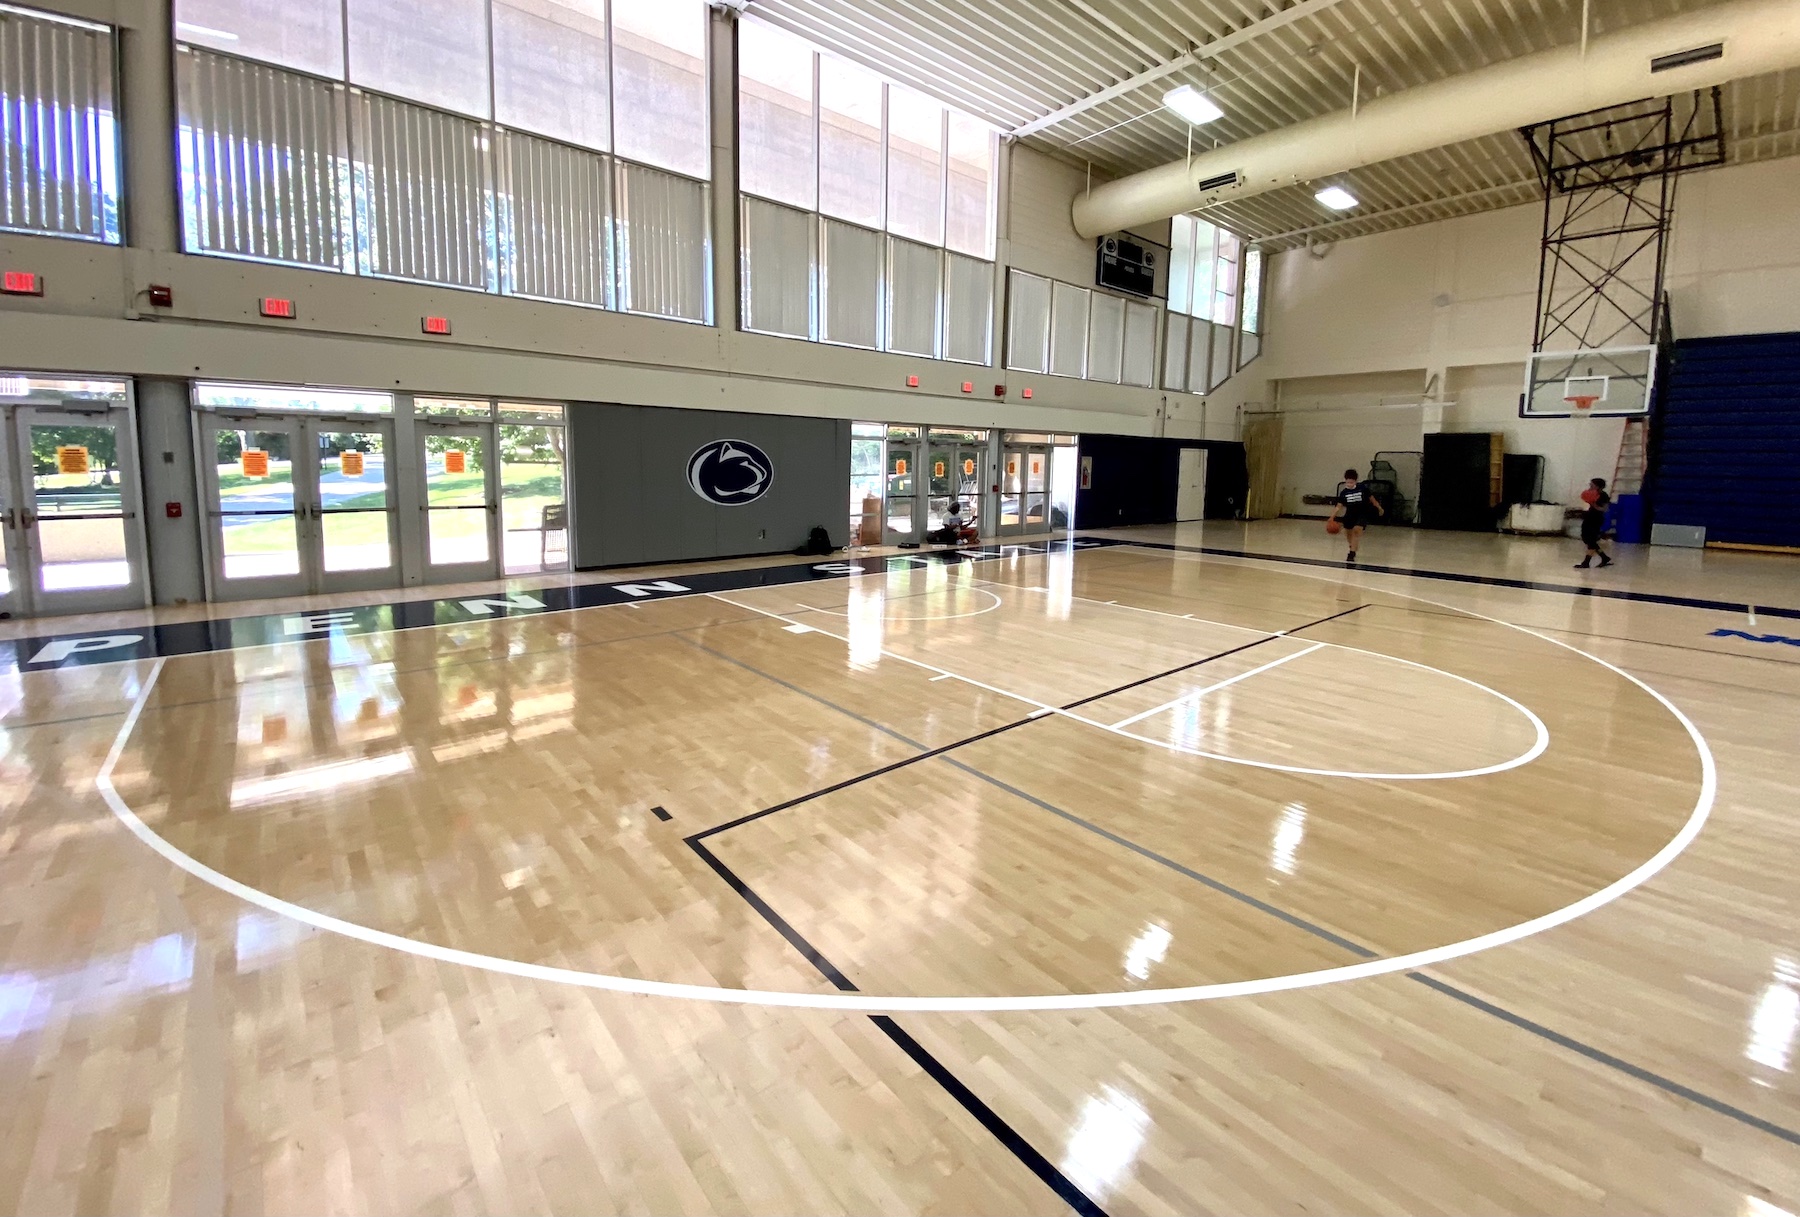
pixel 350 464
pixel 1012 466
pixel 456 461
pixel 937 470
pixel 254 463
pixel 900 467
pixel 968 469
pixel 1037 466
pixel 71 458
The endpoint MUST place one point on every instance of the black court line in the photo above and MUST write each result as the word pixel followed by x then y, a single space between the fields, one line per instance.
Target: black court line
pixel 991 1120
pixel 1566 589
pixel 1597 1055
pixel 990 732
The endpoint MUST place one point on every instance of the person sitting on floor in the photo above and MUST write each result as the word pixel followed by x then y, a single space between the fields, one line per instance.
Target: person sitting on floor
pixel 951 532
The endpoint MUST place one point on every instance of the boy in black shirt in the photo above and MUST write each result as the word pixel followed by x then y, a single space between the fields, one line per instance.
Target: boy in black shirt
pixel 1356 505
pixel 1592 521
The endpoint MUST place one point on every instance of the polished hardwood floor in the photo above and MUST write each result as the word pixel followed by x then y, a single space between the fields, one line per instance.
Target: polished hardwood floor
pixel 1127 880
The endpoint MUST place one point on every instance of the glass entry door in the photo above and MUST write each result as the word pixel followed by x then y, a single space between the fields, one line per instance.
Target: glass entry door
pixel 74 542
pixel 299 505
pixel 905 510
pixel 462 501
pixel 955 476
pixel 1024 489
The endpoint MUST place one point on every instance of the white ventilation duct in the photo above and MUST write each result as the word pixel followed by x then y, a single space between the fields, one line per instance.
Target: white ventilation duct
pixel 1676 54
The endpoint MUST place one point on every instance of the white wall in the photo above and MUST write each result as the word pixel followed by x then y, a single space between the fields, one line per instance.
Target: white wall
pixel 1332 423
pixel 1449 307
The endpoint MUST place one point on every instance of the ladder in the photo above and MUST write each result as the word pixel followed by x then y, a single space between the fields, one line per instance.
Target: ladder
pixel 1634 458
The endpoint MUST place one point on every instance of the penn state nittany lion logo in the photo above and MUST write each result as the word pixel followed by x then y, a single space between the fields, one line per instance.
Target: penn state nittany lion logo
pixel 730 472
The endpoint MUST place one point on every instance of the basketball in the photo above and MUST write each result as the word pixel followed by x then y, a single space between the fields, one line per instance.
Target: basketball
pixel 1333 527
pixel 1590 496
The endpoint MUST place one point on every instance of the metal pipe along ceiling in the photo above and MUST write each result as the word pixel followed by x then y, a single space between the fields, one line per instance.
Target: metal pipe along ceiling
pixel 1757 36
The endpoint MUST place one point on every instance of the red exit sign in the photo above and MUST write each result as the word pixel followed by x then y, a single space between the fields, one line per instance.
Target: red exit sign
pixel 436 325
pixel 275 306
pixel 22 283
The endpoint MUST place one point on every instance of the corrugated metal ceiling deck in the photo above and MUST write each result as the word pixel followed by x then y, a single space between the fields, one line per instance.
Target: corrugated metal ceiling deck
pixel 1013 61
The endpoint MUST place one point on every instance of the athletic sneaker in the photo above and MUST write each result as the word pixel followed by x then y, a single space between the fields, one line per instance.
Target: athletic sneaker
pixel 1605 561
pixel 1351 558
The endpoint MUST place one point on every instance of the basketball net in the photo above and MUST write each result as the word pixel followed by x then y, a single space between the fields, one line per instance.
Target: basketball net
pixel 1583 404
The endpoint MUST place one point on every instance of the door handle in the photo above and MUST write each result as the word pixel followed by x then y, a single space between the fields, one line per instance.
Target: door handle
pixel 315 511
pixel 26 518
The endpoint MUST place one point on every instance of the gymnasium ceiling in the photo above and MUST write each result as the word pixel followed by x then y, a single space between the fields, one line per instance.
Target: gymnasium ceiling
pixel 1016 61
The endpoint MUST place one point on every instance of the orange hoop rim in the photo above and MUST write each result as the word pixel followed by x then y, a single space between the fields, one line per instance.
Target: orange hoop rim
pixel 1584 402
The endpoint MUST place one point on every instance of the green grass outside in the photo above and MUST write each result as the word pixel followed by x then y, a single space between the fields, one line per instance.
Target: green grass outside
pixel 525 489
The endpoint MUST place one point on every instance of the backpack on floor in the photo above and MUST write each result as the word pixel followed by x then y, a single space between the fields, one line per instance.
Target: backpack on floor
pixel 818 543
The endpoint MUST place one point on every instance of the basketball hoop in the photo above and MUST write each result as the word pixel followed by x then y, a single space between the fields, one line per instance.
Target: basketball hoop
pixel 1583 403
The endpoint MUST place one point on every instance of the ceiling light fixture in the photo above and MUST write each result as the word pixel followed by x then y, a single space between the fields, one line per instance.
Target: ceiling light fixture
pixel 1192 105
pixel 1336 198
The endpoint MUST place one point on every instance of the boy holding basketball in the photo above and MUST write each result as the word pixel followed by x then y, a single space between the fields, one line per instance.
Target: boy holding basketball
pixel 1355 503
pixel 1593 519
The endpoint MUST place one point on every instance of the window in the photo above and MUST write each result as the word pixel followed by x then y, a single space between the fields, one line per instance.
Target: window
pixel 1078 332
pixel 851 174
pixel 971 203
pixel 550 70
pixel 60 172
pixel 659 85
pixel 431 51
pixel 1250 323
pixel 890 266
pixel 915 166
pixel 1204 283
pixel 303 34
pixel 406 174
pixel 775 116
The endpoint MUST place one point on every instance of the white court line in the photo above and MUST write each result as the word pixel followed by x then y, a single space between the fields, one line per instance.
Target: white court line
pixel 845 613
pixel 1709 784
pixel 943 673
pixel 1197 694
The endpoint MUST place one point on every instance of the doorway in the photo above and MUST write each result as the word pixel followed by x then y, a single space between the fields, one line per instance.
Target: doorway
pixel 1190 486
pixel 1024 488
pixel 299 504
pixel 956 465
pixel 69 498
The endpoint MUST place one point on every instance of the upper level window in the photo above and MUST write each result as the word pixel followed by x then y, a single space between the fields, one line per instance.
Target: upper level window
pixel 550 70
pixel 821 134
pixel 60 171
pixel 612 75
pixel 659 84
pixel 850 163
pixel 775 116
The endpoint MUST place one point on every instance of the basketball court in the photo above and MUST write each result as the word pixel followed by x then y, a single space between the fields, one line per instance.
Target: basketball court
pixel 715 607
pixel 1109 875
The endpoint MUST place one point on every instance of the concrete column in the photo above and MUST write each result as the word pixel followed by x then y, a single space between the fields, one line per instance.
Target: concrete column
pixel 1002 251
pixel 147 77
pixel 722 92
pixel 166 451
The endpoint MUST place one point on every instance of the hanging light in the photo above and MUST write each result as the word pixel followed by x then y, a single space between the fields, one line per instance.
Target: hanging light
pixel 1192 105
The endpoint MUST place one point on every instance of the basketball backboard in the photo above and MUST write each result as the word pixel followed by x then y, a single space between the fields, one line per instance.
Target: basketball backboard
pixel 1561 384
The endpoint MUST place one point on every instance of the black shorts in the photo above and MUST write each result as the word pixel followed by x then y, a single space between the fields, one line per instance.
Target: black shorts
pixel 1591 527
pixel 1356 521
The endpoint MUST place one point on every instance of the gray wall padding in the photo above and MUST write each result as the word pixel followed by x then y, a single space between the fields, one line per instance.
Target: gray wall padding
pixel 631 503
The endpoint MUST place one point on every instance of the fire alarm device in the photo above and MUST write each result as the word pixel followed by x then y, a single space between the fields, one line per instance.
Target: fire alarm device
pixel 1024 392
pixel 161 295
pixel 912 382
pixel 999 390
pixel 172 510
pixel 968 386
